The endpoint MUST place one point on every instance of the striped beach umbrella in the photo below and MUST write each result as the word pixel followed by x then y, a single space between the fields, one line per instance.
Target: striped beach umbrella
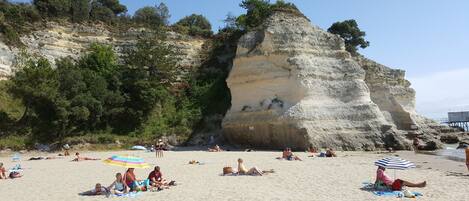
pixel 394 163
pixel 127 162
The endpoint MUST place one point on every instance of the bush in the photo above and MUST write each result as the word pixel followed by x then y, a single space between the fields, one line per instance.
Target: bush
pixel 152 16
pixel 351 34
pixel 53 8
pixel 196 25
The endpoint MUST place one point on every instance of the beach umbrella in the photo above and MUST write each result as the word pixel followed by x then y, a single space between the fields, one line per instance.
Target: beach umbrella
pixel 127 162
pixel 395 163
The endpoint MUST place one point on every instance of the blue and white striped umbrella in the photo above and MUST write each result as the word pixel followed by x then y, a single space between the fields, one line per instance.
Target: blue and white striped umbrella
pixel 394 163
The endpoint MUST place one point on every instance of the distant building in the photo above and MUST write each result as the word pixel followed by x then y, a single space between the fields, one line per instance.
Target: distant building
pixel 459 119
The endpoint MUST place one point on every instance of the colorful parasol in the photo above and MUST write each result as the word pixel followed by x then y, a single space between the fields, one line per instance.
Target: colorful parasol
pixel 127 162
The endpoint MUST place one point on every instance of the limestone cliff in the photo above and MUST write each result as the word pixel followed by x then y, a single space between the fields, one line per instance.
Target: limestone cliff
pixel 65 39
pixel 295 85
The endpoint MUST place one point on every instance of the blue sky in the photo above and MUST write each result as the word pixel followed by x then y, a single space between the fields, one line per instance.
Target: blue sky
pixel 427 38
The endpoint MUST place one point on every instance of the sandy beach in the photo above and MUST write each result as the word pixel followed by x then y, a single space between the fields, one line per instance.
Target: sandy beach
pixel 312 179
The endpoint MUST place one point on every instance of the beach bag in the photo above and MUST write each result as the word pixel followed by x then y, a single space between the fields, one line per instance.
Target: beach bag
pixel 227 170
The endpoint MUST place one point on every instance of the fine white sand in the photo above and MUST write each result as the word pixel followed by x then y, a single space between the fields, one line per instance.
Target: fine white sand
pixel 312 179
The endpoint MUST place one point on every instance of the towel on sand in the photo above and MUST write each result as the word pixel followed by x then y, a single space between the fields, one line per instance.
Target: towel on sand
pixel 385 193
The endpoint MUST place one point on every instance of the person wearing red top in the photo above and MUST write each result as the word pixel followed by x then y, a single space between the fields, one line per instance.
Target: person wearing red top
pixel 395 185
pixel 156 177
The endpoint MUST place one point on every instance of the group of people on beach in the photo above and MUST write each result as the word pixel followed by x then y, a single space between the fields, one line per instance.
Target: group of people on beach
pixel 128 182
pixel 11 175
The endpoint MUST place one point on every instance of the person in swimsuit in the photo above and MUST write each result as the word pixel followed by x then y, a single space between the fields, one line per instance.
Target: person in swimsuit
pixel 395 185
pixel 330 153
pixel 98 190
pixel 467 158
pixel 254 171
pixel 290 156
pixel 118 187
pixel 2 172
pixel 416 144
pixel 131 182
pixel 216 148
pixel 79 158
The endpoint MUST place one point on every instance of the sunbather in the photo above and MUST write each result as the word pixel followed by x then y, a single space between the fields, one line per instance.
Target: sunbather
pixel 312 150
pixel 118 187
pixel 2 172
pixel 80 158
pixel 330 153
pixel 397 184
pixel 14 175
pixel 254 171
pixel 216 148
pixel 288 154
pixel 131 181
pixel 98 190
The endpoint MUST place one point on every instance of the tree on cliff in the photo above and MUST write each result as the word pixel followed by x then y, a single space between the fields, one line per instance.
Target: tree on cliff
pixel 351 34
pixel 259 10
pixel 53 8
pixel 153 16
pixel 196 25
pixel 80 10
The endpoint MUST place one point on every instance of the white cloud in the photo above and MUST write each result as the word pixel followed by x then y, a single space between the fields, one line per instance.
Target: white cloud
pixel 442 92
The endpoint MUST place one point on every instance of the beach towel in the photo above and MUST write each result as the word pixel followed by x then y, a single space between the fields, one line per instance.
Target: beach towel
pixel 368 186
pixel 129 195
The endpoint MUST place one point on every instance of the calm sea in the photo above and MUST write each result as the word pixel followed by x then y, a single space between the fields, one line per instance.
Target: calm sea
pixel 452 153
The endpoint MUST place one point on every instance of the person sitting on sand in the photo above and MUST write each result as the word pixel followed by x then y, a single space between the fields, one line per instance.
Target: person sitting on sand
pixel 330 153
pixel 156 177
pixel 395 185
pixel 98 190
pixel 2 172
pixel 131 181
pixel 254 171
pixel 118 187
pixel 79 158
pixel 215 148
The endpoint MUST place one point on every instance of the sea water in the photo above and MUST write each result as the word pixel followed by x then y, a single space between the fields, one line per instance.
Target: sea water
pixel 452 153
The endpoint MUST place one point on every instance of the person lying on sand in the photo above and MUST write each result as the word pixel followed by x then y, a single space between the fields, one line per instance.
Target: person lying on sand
pixel 395 185
pixel 98 190
pixel 118 187
pixel 288 155
pixel 254 171
pixel 215 148
pixel 79 158
pixel 311 150
pixel 330 153
pixel 14 175
pixel 2 172
pixel 42 158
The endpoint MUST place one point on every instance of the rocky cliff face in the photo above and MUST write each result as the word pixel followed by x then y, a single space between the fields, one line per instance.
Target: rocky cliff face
pixel 65 39
pixel 295 85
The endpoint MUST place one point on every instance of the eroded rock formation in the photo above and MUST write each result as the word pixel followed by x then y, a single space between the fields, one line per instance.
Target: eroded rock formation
pixel 294 84
pixel 67 39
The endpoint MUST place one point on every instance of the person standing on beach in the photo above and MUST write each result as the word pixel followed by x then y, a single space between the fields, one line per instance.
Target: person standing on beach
pixel 159 149
pixel 467 157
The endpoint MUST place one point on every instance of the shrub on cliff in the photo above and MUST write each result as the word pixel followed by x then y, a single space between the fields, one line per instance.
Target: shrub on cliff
pixel 195 25
pixel 53 8
pixel 351 33
pixel 152 16
pixel 259 10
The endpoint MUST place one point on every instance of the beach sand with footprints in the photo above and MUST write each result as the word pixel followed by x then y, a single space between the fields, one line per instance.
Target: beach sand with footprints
pixel 311 179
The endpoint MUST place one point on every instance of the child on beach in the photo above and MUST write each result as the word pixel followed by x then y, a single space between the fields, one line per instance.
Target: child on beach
pixel 98 190
pixel 395 185
pixel 118 187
